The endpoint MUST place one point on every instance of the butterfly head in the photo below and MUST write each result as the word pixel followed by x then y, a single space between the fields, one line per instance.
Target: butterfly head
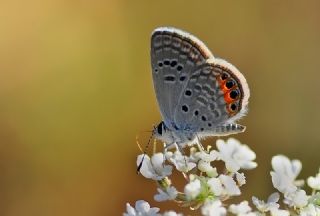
pixel 162 132
pixel 175 135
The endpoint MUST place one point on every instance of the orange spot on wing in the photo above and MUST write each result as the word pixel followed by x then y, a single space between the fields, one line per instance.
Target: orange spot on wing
pixel 226 92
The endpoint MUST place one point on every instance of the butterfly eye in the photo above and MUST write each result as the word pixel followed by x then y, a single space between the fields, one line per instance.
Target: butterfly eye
pixel 159 128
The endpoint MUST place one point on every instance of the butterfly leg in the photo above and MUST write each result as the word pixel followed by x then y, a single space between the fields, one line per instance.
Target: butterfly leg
pixel 178 147
pixel 198 143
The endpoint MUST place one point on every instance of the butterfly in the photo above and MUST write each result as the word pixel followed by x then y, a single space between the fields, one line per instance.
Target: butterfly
pixel 198 95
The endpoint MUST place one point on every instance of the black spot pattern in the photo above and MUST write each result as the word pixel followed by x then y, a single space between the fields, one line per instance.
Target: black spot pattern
pixel 188 92
pixel 233 107
pixel 179 68
pixel 169 78
pixel 173 63
pixel 234 94
pixel 182 78
pixel 230 84
pixel 185 108
pixel 224 76
pixel 196 112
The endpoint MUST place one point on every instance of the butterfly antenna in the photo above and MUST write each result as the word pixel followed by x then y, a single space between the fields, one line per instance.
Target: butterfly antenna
pixel 145 152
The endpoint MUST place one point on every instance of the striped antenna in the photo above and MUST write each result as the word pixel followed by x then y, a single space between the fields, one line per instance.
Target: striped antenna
pixel 145 151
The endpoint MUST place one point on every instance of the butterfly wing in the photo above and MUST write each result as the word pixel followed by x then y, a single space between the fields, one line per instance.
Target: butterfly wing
pixel 174 56
pixel 195 91
pixel 215 96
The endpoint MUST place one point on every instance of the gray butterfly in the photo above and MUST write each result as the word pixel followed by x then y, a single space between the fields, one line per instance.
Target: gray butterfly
pixel 198 95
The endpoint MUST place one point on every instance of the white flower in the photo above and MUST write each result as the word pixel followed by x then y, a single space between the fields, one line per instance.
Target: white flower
pixel 142 208
pixel 297 198
pixel 215 186
pixel 241 179
pixel 204 159
pixel 171 213
pixel 169 194
pixel 181 162
pixel 194 155
pixel 208 157
pixel 314 182
pixel 192 189
pixel 236 155
pixel 310 210
pixel 271 203
pixel 315 199
pixel 242 208
pixel 279 212
pixel 284 174
pixel 223 185
pixel 230 185
pixel 206 167
pixel 154 168
pixel 213 208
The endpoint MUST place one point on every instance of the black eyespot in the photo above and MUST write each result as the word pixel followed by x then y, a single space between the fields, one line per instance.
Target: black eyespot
pixel 182 78
pixel 209 124
pixel 233 107
pixel 202 129
pixel 185 108
pixel 166 62
pixel 203 118
pixel 173 63
pixel 224 76
pixel 230 84
pixel 234 94
pixel 188 93
pixel 156 70
pixel 169 78
pixel 196 112
pixel 179 68
pixel 160 64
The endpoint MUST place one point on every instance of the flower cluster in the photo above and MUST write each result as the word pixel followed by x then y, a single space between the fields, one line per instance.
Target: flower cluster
pixel 207 188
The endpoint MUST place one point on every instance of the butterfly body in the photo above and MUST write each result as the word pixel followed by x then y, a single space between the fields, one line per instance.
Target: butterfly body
pixel 198 95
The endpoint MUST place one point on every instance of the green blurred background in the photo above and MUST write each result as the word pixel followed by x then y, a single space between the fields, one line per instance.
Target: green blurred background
pixel 76 90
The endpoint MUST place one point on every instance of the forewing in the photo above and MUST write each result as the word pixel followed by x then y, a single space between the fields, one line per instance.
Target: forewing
pixel 175 55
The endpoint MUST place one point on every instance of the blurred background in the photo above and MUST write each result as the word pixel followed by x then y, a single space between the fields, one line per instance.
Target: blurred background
pixel 76 90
